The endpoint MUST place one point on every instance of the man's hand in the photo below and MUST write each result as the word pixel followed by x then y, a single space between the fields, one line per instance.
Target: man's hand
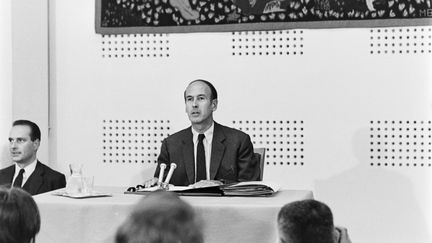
pixel 151 182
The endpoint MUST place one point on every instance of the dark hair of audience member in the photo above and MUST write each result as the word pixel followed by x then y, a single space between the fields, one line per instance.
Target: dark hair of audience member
pixel 19 216
pixel 35 131
pixel 161 217
pixel 306 221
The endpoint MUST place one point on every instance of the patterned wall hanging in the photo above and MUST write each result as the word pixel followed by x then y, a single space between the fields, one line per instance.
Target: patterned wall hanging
pixel 171 16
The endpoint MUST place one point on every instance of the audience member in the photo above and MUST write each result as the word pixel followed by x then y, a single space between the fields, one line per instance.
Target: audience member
pixel 28 172
pixel 19 216
pixel 309 221
pixel 161 217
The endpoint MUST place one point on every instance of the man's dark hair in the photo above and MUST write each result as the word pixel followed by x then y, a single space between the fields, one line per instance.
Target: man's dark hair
pixel 35 132
pixel 213 91
pixel 19 216
pixel 306 221
pixel 161 217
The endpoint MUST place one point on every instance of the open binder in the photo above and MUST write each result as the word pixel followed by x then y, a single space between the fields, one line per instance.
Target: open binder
pixel 243 189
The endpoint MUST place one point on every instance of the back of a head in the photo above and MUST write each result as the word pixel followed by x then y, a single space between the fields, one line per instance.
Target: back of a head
pixel 19 216
pixel 307 221
pixel 161 217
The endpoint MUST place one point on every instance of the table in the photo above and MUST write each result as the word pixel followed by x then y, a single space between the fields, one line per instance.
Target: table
pixel 226 219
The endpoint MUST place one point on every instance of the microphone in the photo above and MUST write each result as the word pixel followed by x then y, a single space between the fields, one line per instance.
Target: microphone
pixel 161 172
pixel 173 166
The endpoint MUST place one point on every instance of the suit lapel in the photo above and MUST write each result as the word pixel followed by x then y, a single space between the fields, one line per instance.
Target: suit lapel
pixel 34 182
pixel 188 156
pixel 217 150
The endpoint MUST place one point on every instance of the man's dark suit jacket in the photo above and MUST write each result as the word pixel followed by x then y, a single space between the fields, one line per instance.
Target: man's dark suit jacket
pixel 43 179
pixel 232 156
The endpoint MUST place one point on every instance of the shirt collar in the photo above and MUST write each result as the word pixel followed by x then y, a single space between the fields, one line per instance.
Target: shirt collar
pixel 208 134
pixel 28 169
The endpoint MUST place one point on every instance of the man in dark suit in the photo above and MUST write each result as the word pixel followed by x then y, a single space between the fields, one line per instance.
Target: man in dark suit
pixel 207 150
pixel 28 172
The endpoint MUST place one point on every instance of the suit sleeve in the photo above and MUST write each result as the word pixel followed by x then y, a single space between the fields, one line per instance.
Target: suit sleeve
pixel 163 157
pixel 62 181
pixel 247 162
pixel 58 181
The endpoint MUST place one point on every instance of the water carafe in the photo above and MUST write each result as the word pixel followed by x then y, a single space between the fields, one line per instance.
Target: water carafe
pixel 74 184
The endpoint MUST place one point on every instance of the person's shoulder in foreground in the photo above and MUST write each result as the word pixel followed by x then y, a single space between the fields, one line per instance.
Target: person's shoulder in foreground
pixel 28 172
pixel 19 216
pixel 309 221
pixel 161 217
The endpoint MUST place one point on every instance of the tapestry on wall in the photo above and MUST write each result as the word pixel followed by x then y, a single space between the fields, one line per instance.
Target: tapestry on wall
pixel 165 16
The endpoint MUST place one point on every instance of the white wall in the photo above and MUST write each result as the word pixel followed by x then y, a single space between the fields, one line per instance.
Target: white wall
pixel 29 35
pixel 5 79
pixel 336 91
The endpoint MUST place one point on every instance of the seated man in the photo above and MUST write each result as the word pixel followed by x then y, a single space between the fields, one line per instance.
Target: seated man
pixel 309 221
pixel 207 150
pixel 161 217
pixel 28 172
pixel 19 216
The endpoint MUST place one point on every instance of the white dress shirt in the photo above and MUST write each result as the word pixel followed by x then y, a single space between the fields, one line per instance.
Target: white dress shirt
pixel 28 170
pixel 207 142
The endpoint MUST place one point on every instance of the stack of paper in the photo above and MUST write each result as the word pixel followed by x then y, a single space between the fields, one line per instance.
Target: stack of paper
pixel 250 188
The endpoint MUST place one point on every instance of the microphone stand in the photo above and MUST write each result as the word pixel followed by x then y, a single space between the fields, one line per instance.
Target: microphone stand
pixel 165 185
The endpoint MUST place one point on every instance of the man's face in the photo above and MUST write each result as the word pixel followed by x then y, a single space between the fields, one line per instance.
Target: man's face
pixel 199 106
pixel 22 149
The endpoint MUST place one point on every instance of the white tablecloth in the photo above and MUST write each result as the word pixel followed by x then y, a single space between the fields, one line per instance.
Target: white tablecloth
pixel 226 219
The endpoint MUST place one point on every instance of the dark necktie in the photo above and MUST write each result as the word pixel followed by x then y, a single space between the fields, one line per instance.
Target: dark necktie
pixel 19 179
pixel 201 163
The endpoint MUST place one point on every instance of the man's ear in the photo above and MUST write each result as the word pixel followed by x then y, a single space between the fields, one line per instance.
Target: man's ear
pixel 36 144
pixel 214 104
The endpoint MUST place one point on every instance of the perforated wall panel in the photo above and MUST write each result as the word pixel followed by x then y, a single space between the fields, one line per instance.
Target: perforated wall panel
pixel 401 40
pixel 133 141
pixel 400 143
pixel 267 43
pixel 135 46
pixel 283 140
